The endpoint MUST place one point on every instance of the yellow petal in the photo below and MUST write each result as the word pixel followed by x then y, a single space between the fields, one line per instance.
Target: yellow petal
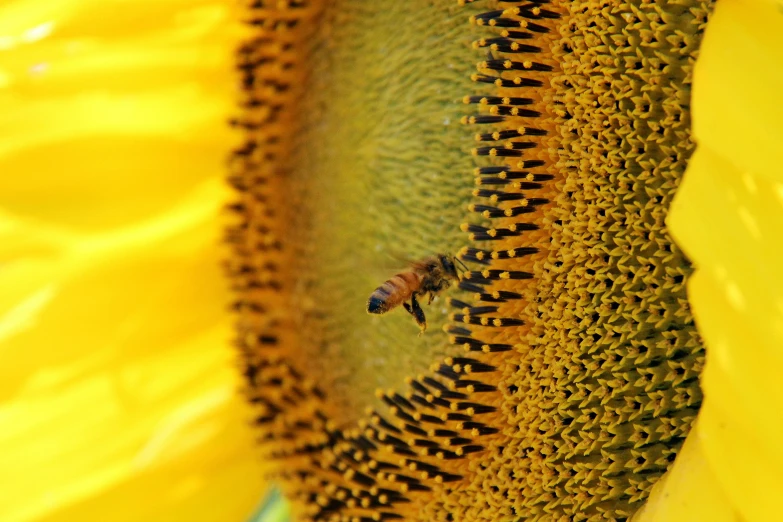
pixel 738 83
pixel 119 394
pixel 95 90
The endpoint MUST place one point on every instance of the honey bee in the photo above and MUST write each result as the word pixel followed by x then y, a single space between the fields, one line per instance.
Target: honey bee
pixel 429 276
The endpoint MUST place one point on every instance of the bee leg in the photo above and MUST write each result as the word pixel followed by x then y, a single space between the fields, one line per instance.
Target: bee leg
pixel 441 286
pixel 418 314
pixel 418 317
pixel 412 309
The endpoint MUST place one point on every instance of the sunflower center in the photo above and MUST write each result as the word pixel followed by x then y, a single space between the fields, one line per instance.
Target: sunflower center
pixel 383 166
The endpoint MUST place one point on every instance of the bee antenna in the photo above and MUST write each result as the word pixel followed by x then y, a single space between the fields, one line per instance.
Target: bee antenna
pixel 458 260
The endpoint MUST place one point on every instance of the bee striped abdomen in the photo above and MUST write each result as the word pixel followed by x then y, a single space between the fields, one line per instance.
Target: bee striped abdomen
pixel 393 292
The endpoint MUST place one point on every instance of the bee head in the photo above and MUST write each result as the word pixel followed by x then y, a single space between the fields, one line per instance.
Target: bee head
pixel 449 268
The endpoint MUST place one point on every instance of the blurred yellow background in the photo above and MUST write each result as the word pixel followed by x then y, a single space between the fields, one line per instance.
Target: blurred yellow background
pixel 119 395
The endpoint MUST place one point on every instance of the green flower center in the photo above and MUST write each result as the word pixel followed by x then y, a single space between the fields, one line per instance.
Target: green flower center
pixel 383 168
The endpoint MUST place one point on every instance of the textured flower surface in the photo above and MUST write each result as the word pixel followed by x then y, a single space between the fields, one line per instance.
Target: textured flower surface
pixel 571 379
pixel 569 376
pixel 118 393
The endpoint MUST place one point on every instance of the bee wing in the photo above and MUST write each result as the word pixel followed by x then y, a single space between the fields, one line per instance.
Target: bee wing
pixel 399 261
pixel 386 266
pixel 421 266
pixel 417 265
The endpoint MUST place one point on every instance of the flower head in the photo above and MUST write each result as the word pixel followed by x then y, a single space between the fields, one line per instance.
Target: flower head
pixel 571 379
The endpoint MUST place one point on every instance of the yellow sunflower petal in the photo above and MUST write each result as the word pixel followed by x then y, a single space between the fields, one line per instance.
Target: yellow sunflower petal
pixel 118 392
pixel 728 216
pixel 82 86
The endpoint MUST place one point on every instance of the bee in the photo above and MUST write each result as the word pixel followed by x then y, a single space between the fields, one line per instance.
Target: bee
pixel 427 277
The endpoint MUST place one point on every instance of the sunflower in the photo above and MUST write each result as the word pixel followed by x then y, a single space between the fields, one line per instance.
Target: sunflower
pixel 566 376
pixel 119 392
pixel 539 392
